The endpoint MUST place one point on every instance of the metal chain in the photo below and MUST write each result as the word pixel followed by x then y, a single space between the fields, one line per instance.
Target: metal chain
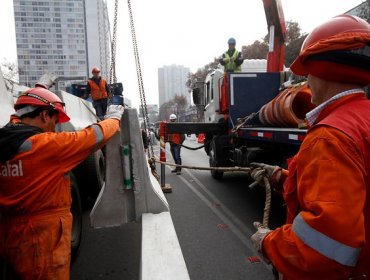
pixel 112 72
pixel 140 78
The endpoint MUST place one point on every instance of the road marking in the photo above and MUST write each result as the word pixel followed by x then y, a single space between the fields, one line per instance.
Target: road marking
pixel 231 222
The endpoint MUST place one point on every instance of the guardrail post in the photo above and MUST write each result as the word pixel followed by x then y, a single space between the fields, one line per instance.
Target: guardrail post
pixel 166 188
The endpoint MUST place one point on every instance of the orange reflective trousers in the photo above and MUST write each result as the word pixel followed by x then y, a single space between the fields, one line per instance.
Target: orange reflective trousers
pixel 39 246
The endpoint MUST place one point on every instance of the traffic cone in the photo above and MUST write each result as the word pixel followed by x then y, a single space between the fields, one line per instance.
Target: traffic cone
pixel 201 137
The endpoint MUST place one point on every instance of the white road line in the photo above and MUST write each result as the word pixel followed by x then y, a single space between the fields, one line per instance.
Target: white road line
pixel 231 222
pixel 228 212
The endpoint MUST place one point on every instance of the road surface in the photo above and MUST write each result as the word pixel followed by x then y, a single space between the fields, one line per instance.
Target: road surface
pixel 213 220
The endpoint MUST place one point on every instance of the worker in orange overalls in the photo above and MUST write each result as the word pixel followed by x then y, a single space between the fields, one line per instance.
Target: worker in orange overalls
pixel 35 197
pixel 98 88
pixel 327 185
pixel 176 140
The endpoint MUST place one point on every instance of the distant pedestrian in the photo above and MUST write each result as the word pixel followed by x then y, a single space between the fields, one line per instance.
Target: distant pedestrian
pixel 175 143
pixel 231 59
pixel 98 88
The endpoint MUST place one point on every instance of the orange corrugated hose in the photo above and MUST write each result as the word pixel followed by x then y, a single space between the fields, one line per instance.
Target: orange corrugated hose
pixel 288 108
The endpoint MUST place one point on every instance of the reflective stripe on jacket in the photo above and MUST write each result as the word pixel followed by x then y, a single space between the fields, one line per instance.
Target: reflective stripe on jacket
pixel 328 191
pixel 36 178
pixel 98 91
pixel 231 66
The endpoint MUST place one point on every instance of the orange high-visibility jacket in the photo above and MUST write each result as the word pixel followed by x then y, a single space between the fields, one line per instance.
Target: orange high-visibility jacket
pixel 176 138
pixel 36 178
pixel 328 198
pixel 98 91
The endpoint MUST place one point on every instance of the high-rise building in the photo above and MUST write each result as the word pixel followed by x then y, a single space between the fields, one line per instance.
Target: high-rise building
pixel 171 82
pixel 62 37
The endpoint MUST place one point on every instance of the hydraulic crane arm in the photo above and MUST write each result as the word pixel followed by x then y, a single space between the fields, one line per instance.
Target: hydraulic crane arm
pixel 277 35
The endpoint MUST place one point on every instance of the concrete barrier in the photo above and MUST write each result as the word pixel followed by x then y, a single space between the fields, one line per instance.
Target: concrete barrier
pixel 161 256
pixel 81 112
pixel 6 101
pixel 116 204
pixel 142 201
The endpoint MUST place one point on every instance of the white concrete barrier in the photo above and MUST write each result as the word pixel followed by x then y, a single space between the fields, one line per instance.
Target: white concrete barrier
pixel 81 112
pixel 161 255
pixel 116 204
pixel 6 102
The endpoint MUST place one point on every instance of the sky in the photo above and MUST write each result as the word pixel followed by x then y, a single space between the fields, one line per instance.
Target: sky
pixel 184 32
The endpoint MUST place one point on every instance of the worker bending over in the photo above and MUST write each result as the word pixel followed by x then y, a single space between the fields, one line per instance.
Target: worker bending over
pixel 327 185
pixel 35 196
pixel 231 59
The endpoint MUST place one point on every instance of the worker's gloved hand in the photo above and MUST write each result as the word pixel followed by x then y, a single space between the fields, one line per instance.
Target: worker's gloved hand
pixel 257 240
pixel 114 112
pixel 226 59
pixel 260 170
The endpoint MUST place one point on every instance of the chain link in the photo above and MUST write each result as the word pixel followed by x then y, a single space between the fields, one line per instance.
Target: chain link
pixel 140 78
pixel 112 72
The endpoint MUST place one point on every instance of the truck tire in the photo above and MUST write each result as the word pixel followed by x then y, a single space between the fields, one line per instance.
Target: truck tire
pixel 76 210
pixel 92 175
pixel 213 161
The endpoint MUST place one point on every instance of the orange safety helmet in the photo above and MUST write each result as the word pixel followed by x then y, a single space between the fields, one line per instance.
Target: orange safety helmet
pixel 95 70
pixel 337 50
pixel 41 97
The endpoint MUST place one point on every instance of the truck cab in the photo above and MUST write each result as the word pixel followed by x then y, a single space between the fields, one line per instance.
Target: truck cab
pixel 212 96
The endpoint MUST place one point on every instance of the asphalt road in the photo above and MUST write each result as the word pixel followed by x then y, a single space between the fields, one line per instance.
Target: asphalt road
pixel 213 220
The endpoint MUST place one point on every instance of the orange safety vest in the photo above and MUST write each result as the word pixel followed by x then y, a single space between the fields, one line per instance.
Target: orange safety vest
pixel 327 192
pixel 176 138
pixel 98 91
pixel 36 178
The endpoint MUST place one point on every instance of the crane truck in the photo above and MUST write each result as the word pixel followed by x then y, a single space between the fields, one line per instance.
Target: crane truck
pixel 237 123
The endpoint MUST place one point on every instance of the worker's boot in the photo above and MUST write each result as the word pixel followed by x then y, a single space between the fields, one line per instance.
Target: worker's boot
pixel 174 170
pixel 178 171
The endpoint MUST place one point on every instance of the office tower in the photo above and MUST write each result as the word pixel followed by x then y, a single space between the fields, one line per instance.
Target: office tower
pixel 171 82
pixel 64 38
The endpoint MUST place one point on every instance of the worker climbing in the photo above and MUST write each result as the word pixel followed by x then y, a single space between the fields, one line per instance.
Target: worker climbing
pixel 327 184
pixel 232 59
pixel 35 196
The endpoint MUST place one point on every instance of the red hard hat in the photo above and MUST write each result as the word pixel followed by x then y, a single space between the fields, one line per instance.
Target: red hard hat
pixel 337 50
pixel 42 97
pixel 95 70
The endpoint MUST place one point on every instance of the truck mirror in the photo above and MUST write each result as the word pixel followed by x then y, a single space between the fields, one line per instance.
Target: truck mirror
pixel 198 96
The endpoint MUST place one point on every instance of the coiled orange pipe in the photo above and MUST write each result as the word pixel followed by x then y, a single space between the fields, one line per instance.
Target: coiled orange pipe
pixel 288 108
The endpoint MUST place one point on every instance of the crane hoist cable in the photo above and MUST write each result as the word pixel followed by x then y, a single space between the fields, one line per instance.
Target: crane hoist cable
pixel 139 78
pixel 112 72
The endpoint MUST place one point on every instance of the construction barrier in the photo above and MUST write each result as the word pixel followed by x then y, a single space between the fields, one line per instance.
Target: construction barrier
pixel 6 101
pixel 134 195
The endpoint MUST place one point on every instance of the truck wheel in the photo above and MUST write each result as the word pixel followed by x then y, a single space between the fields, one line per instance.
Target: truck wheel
pixel 213 162
pixel 92 174
pixel 76 210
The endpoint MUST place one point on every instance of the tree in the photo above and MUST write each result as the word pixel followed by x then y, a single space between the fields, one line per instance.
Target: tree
pixel 10 73
pixel 294 42
pixel 198 77
pixel 176 105
pixel 258 50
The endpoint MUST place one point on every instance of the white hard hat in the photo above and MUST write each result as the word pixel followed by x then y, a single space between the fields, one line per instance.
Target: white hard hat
pixel 173 117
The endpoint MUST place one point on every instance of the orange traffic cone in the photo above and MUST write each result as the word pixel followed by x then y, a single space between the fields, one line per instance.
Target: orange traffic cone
pixel 201 137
